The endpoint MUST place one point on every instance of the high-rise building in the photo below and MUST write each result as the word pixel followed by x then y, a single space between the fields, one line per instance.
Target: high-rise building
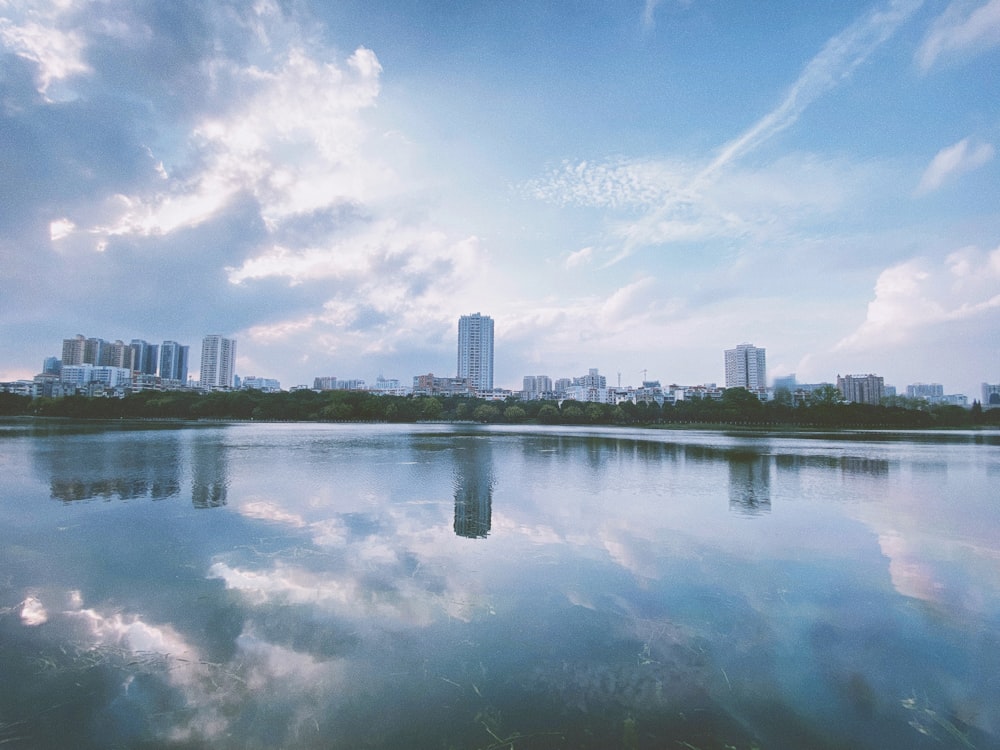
pixel 861 389
pixel 117 354
pixel 991 396
pixel 535 387
pixel 72 350
pixel 173 361
pixel 218 361
pixel 593 379
pixel 52 366
pixel 746 367
pixel 93 351
pixel 144 356
pixel 786 382
pixel 932 392
pixel 475 350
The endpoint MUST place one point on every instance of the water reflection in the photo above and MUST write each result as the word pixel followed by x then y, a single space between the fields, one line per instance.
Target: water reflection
pixel 132 466
pixel 474 482
pixel 877 468
pixel 749 483
pixel 621 599
pixel 209 472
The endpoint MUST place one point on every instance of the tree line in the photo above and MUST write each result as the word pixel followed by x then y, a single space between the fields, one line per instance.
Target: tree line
pixel 737 406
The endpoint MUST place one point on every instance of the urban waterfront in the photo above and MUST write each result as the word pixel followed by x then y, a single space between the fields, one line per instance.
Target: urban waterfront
pixel 456 586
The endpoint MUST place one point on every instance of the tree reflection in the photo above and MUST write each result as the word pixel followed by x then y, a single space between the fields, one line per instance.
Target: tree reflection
pixel 122 466
pixel 474 481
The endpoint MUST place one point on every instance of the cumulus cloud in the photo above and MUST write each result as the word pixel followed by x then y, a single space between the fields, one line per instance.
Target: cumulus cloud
pixel 953 161
pixel 965 28
pixel 234 162
pixel 913 297
pixel 43 34
pixel 294 144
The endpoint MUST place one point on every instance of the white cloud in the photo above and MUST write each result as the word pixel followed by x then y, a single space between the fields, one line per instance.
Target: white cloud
pixel 953 161
pixel 964 28
pixel 581 257
pixel 917 295
pixel 295 143
pixel 761 203
pixel 265 510
pixel 61 228
pixel 32 30
pixel 835 62
pixel 679 201
pixel 33 612
pixel 280 131
pixel 621 184
pixel 649 14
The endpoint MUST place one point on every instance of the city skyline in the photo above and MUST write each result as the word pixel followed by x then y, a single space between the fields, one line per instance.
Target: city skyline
pixel 745 367
pixel 631 186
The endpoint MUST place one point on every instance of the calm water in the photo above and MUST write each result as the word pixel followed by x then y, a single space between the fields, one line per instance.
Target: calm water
pixel 331 586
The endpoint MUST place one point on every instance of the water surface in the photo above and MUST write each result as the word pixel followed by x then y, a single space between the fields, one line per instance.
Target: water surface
pixel 266 586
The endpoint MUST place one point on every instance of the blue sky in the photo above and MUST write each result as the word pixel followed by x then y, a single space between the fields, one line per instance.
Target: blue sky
pixel 633 186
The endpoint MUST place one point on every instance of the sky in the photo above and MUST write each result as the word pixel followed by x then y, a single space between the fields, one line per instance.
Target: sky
pixel 634 186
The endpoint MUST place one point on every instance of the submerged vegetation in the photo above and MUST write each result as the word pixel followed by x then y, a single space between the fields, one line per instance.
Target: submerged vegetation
pixel 736 407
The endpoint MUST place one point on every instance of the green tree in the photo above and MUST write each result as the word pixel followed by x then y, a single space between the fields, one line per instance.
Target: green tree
pixel 739 405
pixel 431 409
pixel 826 395
pixel 486 413
pixel 11 403
pixel 514 414
pixel 548 414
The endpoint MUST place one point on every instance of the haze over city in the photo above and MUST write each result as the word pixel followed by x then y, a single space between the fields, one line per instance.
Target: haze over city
pixel 629 186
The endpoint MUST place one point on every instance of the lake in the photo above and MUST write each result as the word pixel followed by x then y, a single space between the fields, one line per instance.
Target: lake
pixel 447 586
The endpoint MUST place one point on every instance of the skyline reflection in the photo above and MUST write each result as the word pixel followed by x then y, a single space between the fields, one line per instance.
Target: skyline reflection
pixel 474 480
pixel 662 583
pixel 750 484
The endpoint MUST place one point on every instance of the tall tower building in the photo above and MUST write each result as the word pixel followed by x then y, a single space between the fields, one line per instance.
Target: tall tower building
pixel 475 350
pixel 173 361
pixel 93 350
pixel 218 361
pixel 116 354
pixel 746 367
pixel 144 356
pixel 72 350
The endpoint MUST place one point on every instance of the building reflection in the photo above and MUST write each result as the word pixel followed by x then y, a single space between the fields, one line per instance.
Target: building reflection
pixel 209 473
pixel 750 484
pixel 120 466
pixel 474 481
pixel 872 467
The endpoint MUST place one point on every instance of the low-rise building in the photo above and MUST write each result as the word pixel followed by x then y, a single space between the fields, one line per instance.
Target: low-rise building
pixel 429 385
pixel 267 385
